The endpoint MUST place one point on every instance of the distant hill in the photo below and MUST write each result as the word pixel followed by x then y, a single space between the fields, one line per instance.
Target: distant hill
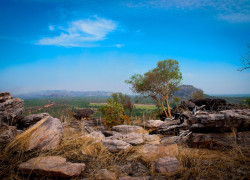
pixel 186 91
pixel 62 93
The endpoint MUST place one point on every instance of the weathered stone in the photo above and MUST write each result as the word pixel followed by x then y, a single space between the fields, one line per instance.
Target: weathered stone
pixel 32 119
pixel 11 109
pixel 45 134
pixel 151 124
pixel 220 139
pixel 151 152
pixel 83 113
pixel 125 129
pixel 115 145
pixel 105 174
pixel 7 134
pixel 53 166
pixel 133 178
pixel 152 139
pixel 131 138
pixel 167 164
pixel 221 121
pixel 97 136
pixel 169 140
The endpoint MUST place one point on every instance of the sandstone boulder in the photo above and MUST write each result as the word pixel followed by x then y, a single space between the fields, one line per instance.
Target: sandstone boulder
pixel 116 145
pixel 11 109
pixel 152 139
pixel 152 152
pixel 53 166
pixel 125 129
pixel 151 124
pixel 97 136
pixel 44 135
pixel 167 164
pixel 30 120
pixel 83 113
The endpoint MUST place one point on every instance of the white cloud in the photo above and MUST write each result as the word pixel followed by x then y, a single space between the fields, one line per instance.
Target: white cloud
pixel 51 27
pixel 233 11
pixel 81 33
pixel 118 45
pixel 235 17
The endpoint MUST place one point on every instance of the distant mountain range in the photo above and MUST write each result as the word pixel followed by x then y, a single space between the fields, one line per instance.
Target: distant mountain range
pixel 62 93
pixel 184 92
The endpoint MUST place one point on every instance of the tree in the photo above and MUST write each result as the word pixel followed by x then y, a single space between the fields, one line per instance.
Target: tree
pixel 158 83
pixel 246 60
pixel 198 94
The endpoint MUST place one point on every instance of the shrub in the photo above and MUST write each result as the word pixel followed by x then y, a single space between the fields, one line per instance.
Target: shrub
pixel 114 113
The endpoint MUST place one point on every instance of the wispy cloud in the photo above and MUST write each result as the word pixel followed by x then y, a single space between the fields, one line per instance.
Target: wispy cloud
pixel 233 11
pixel 81 33
pixel 235 17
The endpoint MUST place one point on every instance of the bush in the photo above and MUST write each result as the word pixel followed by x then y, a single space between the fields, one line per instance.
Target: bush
pixel 114 113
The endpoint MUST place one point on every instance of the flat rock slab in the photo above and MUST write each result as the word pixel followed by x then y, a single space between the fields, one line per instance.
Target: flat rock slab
pixel 125 129
pixel 53 166
pixel 167 164
pixel 152 152
pixel 45 134
pixel 131 138
pixel 151 124
pixel 115 145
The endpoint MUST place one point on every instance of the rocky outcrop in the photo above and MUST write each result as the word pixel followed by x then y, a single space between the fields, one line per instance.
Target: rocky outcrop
pixel 210 140
pixel 125 129
pixel 45 134
pixel 11 109
pixel 223 128
pixel 52 166
pixel 167 164
pixel 30 120
pixel 83 113
pixel 220 121
pixel 116 145
pixel 7 134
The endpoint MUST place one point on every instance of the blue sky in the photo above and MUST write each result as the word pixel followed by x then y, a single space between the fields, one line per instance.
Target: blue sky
pixel 96 45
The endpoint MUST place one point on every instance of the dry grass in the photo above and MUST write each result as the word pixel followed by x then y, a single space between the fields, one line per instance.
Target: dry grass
pixel 75 147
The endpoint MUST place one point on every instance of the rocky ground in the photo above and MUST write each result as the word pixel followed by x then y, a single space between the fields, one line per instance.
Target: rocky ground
pixel 208 139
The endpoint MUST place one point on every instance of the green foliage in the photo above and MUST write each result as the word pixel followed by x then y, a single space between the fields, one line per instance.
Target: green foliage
pixel 158 83
pixel 113 113
pixel 248 101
